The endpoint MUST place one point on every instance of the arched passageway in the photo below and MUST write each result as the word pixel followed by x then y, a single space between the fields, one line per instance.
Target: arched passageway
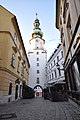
pixel 38 91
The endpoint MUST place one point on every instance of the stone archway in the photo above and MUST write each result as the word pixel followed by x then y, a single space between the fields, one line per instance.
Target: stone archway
pixel 38 91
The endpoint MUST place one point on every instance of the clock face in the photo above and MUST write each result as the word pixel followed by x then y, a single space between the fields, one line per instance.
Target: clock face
pixel 37 40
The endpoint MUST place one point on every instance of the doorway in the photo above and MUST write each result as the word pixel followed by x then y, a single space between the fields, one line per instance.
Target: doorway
pixel 16 92
pixel 38 91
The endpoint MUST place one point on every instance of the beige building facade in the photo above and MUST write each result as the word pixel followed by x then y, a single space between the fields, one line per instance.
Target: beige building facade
pixel 14 64
pixel 68 23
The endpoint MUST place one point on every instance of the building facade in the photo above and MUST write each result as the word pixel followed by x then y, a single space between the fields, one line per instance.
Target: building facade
pixel 14 64
pixel 37 57
pixel 68 22
pixel 55 72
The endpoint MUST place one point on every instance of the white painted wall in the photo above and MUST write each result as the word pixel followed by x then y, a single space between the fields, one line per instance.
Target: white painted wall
pixel 51 67
pixel 32 55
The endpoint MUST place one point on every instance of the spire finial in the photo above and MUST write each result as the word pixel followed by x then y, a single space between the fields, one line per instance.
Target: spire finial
pixel 36 15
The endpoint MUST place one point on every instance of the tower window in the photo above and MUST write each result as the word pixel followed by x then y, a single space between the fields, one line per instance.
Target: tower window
pixel 37 80
pixel 37 71
pixel 37 64
pixel 37 53
pixel 37 59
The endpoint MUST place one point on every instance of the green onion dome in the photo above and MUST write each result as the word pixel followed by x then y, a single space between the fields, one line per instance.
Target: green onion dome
pixel 37 31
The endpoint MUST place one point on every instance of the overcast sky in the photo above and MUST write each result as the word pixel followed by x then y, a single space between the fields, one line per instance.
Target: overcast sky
pixel 25 12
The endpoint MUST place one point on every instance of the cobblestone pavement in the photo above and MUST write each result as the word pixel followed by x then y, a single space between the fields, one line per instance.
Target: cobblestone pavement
pixel 38 109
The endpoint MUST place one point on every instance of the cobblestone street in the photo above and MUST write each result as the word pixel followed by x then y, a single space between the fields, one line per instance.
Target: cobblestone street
pixel 38 109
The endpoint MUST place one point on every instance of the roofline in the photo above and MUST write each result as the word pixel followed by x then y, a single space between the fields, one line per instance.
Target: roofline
pixel 7 10
pixel 15 19
pixel 55 51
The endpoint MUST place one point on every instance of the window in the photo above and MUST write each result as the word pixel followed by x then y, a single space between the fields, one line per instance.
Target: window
pixel 37 71
pixel 51 65
pixel 37 80
pixel 18 69
pixel 57 58
pixel 54 62
pixel 69 27
pixel 22 55
pixel 76 75
pixel 52 76
pixel 62 54
pixel 59 72
pixel 10 89
pixel 19 47
pixel 55 73
pixel 15 38
pixel 13 60
pixel 37 53
pixel 22 71
pixel 37 59
pixel 37 64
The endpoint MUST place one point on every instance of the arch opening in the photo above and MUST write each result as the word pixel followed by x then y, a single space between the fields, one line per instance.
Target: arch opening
pixel 38 91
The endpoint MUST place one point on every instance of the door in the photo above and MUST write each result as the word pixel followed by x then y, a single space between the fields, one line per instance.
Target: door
pixel 16 92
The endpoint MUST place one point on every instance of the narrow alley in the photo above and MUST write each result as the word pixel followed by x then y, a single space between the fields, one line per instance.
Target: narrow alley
pixel 39 109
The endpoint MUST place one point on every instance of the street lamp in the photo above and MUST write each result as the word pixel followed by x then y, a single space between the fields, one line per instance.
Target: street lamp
pixel 58 67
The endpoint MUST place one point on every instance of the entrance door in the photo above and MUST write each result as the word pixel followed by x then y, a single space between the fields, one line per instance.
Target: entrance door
pixel 10 91
pixel 16 92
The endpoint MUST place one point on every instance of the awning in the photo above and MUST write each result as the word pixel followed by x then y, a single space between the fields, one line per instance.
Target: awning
pixel 57 80
pixel 59 83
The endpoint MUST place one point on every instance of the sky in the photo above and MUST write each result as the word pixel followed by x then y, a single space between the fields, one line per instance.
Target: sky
pixel 25 12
